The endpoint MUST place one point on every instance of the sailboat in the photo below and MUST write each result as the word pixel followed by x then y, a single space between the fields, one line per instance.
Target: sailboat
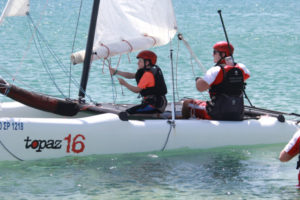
pixel 38 126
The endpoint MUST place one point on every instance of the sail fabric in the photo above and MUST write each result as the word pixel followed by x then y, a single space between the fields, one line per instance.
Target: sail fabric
pixel 125 26
pixel 15 8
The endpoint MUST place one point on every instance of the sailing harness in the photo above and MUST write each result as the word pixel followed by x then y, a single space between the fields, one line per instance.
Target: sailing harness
pixel 227 101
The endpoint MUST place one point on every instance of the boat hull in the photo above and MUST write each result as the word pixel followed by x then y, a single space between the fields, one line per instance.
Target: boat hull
pixel 28 138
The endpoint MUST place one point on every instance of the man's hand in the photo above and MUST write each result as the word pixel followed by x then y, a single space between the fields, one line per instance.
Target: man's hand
pixel 122 81
pixel 128 86
pixel 112 71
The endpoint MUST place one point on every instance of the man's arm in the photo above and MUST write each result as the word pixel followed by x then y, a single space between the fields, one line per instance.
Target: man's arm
pixel 284 156
pixel 201 85
pixel 130 87
pixel 292 147
pixel 121 73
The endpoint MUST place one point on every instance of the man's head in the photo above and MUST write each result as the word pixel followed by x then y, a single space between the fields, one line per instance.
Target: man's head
pixel 148 57
pixel 222 50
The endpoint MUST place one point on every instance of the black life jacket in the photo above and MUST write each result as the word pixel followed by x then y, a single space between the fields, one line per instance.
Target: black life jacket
pixel 227 102
pixel 159 89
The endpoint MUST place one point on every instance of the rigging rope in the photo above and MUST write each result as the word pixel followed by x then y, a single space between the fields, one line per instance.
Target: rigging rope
pixel 193 56
pixel 11 75
pixel 173 82
pixel 73 45
pixel 172 125
pixel 13 155
pixel 114 90
pixel 42 55
pixel 60 64
pixel 176 73
pixel 28 45
pixel 180 37
pixel 171 122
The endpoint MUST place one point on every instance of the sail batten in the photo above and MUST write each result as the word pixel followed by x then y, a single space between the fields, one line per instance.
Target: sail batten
pixel 127 26
pixel 15 8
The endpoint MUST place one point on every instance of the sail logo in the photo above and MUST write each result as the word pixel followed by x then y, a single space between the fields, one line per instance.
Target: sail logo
pixel 40 145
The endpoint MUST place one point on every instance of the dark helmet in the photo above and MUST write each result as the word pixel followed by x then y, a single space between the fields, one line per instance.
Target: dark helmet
pixel 148 55
pixel 223 47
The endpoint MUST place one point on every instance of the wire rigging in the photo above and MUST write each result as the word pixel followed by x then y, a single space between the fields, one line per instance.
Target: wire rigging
pixel 58 61
pixel 73 46
pixel 176 70
pixel 40 51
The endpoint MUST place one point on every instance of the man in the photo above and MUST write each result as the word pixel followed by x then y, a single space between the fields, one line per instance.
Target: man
pixel 225 82
pixel 150 84
pixel 291 149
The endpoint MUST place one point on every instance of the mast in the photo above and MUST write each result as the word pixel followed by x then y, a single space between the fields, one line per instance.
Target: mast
pixel 88 51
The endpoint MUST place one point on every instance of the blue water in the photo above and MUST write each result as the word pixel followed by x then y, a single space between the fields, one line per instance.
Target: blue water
pixel 266 39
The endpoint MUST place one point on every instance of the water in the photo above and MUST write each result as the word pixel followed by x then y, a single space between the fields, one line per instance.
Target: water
pixel 225 173
pixel 266 39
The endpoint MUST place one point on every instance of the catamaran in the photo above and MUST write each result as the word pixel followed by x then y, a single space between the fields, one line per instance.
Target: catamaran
pixel 38 126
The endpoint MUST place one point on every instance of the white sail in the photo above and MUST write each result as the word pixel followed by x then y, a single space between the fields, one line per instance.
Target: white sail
pixel 124 26
pixel 15 8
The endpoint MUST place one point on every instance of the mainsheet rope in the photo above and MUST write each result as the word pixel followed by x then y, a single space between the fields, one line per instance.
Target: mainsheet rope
pixel 180 37
pixel 193 56
pixel 113 87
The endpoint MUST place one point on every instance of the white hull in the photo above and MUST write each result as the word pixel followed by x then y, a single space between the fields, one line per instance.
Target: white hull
pixel 47 136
